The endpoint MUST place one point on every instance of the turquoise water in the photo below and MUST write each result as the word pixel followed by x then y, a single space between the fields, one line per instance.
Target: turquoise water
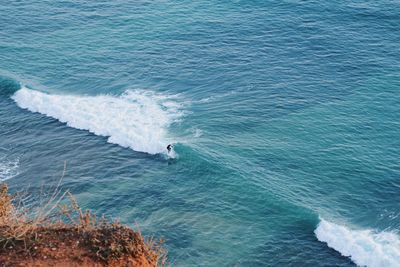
pixel 283 115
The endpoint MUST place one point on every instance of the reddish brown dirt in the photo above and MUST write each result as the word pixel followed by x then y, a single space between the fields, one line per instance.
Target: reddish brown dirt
pixel 63 245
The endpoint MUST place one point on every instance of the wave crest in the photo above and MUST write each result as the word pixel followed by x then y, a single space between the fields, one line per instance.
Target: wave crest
pixel 364 247
pixel 137 119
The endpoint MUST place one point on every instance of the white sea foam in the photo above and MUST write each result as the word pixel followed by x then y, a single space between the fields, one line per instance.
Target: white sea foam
pixel 137 119
pixel 364 247
pixel 8 169
pixel 196 132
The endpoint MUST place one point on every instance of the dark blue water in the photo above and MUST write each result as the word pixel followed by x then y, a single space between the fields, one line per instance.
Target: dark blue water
pixel 283 115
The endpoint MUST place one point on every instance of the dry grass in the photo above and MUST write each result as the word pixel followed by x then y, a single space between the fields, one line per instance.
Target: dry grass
pixel 55 223
pixel 14 223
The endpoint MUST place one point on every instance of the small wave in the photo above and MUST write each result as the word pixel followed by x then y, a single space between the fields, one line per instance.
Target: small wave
pixel 8 86
pixel 8 169
pixel 364 247
pixel 137 119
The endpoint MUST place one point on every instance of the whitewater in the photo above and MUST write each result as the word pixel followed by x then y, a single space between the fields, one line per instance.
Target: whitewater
pixel 364 247
pixel 137 119
pixel 8 169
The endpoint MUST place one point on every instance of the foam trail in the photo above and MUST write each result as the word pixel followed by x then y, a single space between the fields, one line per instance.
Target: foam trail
pixel 137 119
pixel 364 247
pixel 8 169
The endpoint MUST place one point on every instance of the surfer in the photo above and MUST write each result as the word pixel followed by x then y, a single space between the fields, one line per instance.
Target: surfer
pixel 169 147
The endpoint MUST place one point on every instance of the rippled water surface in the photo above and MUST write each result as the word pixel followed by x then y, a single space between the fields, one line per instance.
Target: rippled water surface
pixel 284 117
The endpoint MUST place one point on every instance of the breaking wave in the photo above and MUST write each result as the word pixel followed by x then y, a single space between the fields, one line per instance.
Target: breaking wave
pixel 364 247
pixel 137 119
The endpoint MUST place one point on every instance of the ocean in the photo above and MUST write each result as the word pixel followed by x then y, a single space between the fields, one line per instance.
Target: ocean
pixel 283 115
